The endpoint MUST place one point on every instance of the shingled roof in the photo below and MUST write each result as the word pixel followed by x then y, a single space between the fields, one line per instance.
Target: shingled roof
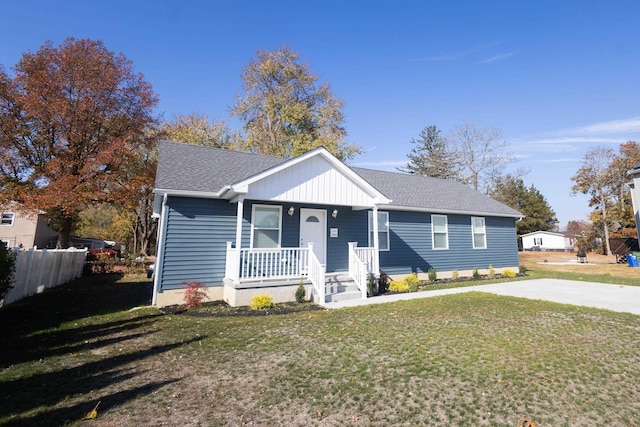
pixel 190 168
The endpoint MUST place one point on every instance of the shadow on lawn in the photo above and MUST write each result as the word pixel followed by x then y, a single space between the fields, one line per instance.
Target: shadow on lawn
pixel 41 345
pixel 20 396
pixel 87 296
pixel 65 321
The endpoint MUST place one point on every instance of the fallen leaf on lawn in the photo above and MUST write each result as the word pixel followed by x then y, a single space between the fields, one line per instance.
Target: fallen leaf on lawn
pixel 92 413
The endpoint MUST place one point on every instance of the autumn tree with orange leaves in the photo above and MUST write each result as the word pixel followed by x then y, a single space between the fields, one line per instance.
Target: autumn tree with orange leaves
pixel 71 118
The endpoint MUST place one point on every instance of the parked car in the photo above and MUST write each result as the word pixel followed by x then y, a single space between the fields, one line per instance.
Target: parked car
pixel 102 253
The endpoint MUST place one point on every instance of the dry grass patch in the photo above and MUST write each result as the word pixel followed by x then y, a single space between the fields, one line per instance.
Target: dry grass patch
pixel 469 359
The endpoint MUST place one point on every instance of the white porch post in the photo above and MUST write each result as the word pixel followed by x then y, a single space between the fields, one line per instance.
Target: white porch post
pixel 239 214
pixel 376 244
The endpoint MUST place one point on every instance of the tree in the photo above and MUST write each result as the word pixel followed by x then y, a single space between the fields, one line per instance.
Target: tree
pixel 69 119
pixel 431 156
pixel 197 130
pixel 621 215
pixel 285 113
pixel 135 188
pixel 482 155
pixel 582 234
pixel 538 214
pixel 593 178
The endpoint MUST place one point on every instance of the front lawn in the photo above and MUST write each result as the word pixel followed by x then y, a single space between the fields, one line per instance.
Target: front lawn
pixel 467 359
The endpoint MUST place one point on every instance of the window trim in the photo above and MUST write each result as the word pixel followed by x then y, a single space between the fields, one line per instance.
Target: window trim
pixel 370 231
pixel 253 211
pixel 473 232
pixel 13 219
pixel 433 232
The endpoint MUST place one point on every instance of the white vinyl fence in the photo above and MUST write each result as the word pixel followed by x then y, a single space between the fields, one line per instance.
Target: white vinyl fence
pixel 38 269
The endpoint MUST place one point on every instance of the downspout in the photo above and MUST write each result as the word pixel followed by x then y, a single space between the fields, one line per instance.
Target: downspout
pixel 376 244
pixel 160 250
pixel 239 217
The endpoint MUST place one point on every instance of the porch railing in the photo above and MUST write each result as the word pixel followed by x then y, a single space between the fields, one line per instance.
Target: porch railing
pixel 360 265
pixel 316 274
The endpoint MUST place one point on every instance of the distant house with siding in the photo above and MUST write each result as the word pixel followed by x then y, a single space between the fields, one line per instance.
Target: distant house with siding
pixel 546 241
pixel 245 224
pixel 19 227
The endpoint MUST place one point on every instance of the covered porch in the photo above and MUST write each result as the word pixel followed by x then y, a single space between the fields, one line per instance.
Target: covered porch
pixel 251 271
pixel 287 218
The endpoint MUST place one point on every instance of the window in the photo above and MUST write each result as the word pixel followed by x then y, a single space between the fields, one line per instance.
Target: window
pixel 440 232
pixel 479 233
pixel 383 230
pixel 7 218
pixel 537 241
pixel 265 226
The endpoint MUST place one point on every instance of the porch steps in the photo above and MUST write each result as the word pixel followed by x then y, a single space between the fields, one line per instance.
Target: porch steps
pixel 340 287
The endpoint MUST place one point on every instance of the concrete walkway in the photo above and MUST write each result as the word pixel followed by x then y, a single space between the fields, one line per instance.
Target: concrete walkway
pixel 624 299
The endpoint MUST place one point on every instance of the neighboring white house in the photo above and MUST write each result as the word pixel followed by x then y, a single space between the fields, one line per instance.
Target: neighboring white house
pixel 545 241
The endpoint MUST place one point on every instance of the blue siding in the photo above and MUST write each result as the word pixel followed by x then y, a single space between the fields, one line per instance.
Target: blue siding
pixel 195 241
pixel 197 231
pixel 411 244
pixel 352 227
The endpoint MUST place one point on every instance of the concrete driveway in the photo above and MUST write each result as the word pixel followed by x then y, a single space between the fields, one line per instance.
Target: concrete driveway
pixel 624 299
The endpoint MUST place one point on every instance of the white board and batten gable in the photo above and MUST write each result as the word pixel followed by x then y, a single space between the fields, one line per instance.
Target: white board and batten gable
pixel 315 177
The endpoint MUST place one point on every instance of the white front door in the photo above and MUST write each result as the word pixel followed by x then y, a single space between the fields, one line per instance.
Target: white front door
pixel 313 229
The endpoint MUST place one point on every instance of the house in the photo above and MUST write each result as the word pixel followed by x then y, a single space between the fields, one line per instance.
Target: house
pixel 545 241
pixel 245 224
pixel 19 227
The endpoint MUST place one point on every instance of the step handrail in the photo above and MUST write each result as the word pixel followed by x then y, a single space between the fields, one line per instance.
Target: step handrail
pixel 317 273
pixel 359 269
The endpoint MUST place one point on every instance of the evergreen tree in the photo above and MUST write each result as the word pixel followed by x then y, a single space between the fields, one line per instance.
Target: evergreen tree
pixel 431 156
pixel 538 214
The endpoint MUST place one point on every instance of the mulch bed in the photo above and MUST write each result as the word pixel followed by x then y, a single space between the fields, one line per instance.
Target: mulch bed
pixel 222 309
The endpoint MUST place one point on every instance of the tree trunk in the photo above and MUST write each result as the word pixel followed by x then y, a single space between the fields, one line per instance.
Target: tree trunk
pixel 65 233
pixel 606 229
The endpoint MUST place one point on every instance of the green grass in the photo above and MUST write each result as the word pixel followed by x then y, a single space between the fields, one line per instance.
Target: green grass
pixel 587 277
pixel 468 359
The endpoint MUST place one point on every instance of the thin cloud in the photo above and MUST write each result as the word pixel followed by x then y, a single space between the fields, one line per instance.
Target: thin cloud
pixel 575 140
pixel 498 57
pixel 613 126
pixel 565 160
pixel 457 55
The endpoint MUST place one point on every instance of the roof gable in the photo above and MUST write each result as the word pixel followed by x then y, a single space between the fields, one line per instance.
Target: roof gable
pixel 314 177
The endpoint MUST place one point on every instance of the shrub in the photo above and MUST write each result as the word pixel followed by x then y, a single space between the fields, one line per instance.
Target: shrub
pixel 7 270
pixel 300 293
pixel 371 285
pixel 492 272
pixel 433 274
pixel 455 275
pixel 476 274
pixel 383 282
pixel 523 269
pixel 261 302
pixel 399 286
pixel 508 273
pixel 412 282
pixel 195 293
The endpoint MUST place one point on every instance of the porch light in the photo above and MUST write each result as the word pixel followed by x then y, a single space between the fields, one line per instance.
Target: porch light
pixel 291 211
pixel 334 213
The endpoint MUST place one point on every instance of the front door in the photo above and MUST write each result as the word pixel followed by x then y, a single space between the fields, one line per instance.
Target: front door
pixel 313 229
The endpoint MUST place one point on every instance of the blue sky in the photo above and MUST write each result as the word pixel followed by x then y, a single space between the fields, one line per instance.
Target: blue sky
pixel 557 77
